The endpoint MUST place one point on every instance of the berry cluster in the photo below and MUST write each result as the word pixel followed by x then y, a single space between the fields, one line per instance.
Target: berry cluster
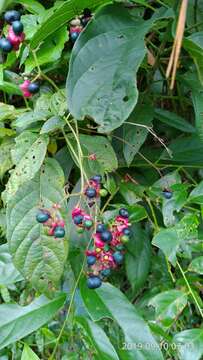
pixel 93 189
pixel 29 88
pixel 81 219
pixel 51 220
pixel 15 32
pixel 107 252
pixel 78 24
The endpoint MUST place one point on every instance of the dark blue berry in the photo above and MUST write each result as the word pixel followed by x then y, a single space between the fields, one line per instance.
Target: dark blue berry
pixel 127 231
pixel 97 178
pixel 87 12
pixel 105 272
pixel 106 236
pixel 33 88
pixel 94 282
pixel 100 228
pixel 42 216
pixel 118 257
pixel 12 15
pixel 17 27
pixel 91 260
pixel 167 194
pixel 84 21
pixel 78 219
pixel 74 35
pixel 90 192
pixel 5 45
pixel 59 232
pixel 124 213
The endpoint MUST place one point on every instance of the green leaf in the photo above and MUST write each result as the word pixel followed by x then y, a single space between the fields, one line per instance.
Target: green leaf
pixel 10 88
pixel 197 265
pixel 172 239
pixel 39 257
pixel 8 273
pixel 6 162
pixel 137 258
pixel 21 321
pixel 104 348
pixel 28 354
pixel 186 150
pixel 61 16
pixel 128 319
pixel 32 6
pixel 106 160
pixel 171 119
pixel 190 344
pixel 136 135
pixel 168 306
pixel 196 195
pixel 111 93
pixel 52 124
pixel 194 45
pixel 28 156
pixel 137 213
pixel 6 111
pixel 49 51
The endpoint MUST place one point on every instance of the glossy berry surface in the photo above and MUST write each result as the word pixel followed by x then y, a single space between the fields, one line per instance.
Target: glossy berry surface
pixel 106 236
pixel 59 232
pixel 91 260
pixel 100 228
pixel 5 45
pixel 88 224
pixel 87 12
pixel 17 27
pixel 74 35
pixel 94 282
pixel 105 272
pixel 90 192
pixel 118 257
pixel 123 212
pixel 97 178
pixel 167 194
pixel 103 192
pixel 127 231
pixel 42 217
pixel 33 88
pixel 124 239
pixel 78 219
pixel 12 15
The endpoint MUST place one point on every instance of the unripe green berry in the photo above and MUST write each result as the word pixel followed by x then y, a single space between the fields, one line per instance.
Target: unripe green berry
pixel 119 247
pixel 103 192
pixel 88 223
pixel 80 230
pixel 124 239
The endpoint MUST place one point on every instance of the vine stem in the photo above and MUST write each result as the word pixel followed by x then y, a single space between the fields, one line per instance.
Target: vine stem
pixel 41 73
pixel 190 289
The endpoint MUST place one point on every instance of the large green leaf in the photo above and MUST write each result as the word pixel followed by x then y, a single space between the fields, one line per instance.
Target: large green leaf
pixel 49 51
pixel 134 136
pixel 104 348
pixel 137 258
pixel 196 195
pixel 190 344
pixel 194 45
pixel 28 156
pixel 197 265
pixel 28 354
pixel 6 162
pixel 171 240
pixel 174 120
pixel 39 257
pixel 101 84
pixel 168 306
pixel 20 321
pixel 134 328
pixel 8 273
pixel 64 13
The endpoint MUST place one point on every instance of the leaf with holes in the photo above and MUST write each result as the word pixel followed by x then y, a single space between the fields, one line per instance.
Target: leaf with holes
pixel 39 257
pixel 168 306
pixel 190 344
pixel 28 156
pixel 197 265
pixel 101 84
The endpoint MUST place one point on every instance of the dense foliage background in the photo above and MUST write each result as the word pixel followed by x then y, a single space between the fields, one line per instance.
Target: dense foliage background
pixel 106 95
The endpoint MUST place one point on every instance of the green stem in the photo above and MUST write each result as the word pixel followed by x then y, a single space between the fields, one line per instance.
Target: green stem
pixel 190 289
